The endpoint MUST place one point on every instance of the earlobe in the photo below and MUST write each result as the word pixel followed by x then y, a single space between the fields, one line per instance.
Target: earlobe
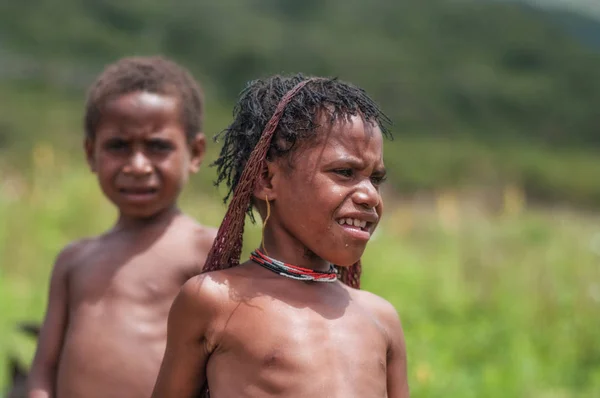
pixel 89 153
pixel 197 150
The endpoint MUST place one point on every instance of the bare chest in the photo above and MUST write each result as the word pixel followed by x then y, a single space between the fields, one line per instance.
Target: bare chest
pixel 142 278
pixel 278 348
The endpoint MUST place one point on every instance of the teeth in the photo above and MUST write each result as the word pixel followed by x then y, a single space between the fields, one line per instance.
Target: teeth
pixel 353 222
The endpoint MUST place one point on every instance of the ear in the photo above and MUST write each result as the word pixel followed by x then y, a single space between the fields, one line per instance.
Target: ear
pixel 89 153
pixel 267 181
pixel 197 151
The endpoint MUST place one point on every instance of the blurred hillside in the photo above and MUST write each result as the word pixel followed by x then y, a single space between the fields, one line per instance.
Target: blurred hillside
pixel 582 7
pixel 481 93
pixel 494 104
pixel 580 18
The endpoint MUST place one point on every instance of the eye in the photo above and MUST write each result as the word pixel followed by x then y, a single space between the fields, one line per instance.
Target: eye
pixel 159 145
pixel 378 179
pixel 116 145
pixel 344 172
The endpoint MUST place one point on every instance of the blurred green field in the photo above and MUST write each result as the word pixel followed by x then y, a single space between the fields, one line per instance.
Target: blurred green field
pixel 494 304
pixel 498 297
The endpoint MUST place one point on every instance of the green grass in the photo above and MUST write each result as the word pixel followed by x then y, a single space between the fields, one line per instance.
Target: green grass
pixel 503 305
pixel 31 116
pixel 495 308
pixel 545 174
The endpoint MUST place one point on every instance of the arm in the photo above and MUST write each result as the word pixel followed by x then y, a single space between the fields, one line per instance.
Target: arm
pixel 183 369
pixel 42 375
pixel 397 379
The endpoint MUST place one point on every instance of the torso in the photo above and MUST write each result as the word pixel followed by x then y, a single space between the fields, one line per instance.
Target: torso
pixel 119 299
pixel 286 338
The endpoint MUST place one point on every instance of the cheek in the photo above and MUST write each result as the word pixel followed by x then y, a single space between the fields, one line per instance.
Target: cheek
pixel 107 165
pixel 173 167
pixel 379 208
pixel 323 199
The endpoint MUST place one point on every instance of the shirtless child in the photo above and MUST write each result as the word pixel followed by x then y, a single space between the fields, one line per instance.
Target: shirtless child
pixel 268 328
pixel 104 331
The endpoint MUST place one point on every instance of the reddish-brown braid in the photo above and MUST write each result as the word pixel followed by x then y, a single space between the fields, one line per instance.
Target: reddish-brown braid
pixel 351 275
pixel 227 247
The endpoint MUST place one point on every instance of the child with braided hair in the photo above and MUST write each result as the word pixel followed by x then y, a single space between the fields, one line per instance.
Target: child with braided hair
pixel 307 154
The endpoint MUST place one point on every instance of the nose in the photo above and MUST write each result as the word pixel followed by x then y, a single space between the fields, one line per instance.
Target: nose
pixel 138 165
pixel 367 195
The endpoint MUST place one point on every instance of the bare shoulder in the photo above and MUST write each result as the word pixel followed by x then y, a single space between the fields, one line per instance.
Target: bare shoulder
pixel 201 236
pixel 205 236
pixel 213 291
pixel 208 290
pixel 377 304
pixel 189 243
pixel 396 355
pixel 383 311
pixel 204 303
pixel 72 254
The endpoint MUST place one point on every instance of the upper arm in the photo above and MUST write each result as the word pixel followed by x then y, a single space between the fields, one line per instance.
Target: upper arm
pixel 51 333
pixel 189 340
pixel 397 378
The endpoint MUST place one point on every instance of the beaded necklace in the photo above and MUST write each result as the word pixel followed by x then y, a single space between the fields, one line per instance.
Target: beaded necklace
pixel 293 271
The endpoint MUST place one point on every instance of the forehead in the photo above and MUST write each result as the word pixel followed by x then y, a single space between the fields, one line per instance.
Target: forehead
pixel 141 108
pixel 349 137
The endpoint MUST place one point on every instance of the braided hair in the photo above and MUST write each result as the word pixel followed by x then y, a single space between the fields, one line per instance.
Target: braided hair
pixel 270 118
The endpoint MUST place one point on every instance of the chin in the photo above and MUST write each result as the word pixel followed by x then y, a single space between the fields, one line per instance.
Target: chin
pixel 140 212
pixel 346 264
pixel 346 260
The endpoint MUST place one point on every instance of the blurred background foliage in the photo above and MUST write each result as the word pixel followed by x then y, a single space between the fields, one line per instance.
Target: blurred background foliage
pixel 490 246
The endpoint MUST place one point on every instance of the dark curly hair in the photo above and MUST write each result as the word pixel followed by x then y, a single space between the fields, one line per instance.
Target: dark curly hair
pixel 257 104
pixel 271 117
pixel 154 74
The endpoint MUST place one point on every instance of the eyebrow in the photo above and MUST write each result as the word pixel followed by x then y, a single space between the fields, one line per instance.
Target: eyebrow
pixel 115 138
pixel 353 161
pixel 357 163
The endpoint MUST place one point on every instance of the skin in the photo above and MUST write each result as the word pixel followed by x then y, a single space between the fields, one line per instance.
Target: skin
pixel 104 331
pixel 252 333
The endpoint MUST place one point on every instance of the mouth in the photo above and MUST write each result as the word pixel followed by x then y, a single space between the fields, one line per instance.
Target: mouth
pixel 138 190
pixel 357 228
pixel 138 193
pixel 354 223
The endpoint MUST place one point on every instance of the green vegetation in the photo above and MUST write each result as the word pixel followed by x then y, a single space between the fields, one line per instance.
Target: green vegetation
pixel 483 69
pixel 32 116
pixel 495 111
pixel 481 93
pixel 501 305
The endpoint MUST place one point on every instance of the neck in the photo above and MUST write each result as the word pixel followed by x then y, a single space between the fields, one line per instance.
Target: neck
pixel 283 246
pixel 293 271
pixel 131 223
pixel 300 257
